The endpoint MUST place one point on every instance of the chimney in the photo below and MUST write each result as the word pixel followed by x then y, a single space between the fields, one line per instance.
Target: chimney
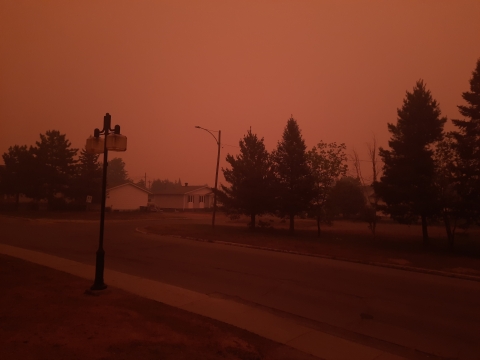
pixel 186 184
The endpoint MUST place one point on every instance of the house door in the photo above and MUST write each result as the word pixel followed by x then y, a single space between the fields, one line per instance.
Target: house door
pixel 190 202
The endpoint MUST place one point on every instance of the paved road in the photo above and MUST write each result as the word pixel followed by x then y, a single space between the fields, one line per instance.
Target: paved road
pixel 436 315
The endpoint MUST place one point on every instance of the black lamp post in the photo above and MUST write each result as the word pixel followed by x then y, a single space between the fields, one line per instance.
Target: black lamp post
pixel 216 173
pixel 115 142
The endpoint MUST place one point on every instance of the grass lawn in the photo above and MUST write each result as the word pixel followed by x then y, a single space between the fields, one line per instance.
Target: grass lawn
pixel 394 243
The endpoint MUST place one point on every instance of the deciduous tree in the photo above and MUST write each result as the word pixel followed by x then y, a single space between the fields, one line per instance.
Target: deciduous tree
pixel 452 205
pixel 328 164
pixel 347 198
pixel 371 196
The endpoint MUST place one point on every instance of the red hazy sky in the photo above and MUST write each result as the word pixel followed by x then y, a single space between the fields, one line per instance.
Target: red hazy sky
pixel 162 67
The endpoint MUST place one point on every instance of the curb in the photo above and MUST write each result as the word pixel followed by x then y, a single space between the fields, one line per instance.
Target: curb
pixel 372 263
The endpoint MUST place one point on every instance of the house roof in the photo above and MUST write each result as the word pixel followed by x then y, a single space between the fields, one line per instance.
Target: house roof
pixel 181 190
pixel 131 184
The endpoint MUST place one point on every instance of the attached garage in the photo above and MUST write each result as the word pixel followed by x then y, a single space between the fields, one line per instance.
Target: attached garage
pixel 126 197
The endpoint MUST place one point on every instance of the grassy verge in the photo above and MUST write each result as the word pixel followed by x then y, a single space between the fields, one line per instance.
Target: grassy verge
pixel 394 243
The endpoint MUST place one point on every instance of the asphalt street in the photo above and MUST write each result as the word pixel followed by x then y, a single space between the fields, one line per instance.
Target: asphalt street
pixel 433 314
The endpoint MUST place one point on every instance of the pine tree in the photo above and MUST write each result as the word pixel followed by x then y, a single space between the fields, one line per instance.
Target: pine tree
pixel 116 173
pixel 293 175
pixel 250 179
pixel 55 164
pixel 467 145
pixel 141 183
pixel 89 177
pixel 407 184
pixel 17 175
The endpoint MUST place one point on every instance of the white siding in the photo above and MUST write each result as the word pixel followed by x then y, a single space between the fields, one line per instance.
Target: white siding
pixel 168 201
pixel 206 193
pixel 126 198
pixel 180 201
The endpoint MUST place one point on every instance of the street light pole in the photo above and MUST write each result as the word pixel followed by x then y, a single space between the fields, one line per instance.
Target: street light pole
pixel 216 180
pixel 218 141
pixel 118 144
pixel 100 256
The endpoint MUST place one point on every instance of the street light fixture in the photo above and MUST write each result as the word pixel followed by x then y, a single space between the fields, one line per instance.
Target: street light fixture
pixel 96 145
pixel 216 173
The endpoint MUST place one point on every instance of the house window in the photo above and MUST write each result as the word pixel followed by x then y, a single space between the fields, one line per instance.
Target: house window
pixel 201 198
pixel 190 198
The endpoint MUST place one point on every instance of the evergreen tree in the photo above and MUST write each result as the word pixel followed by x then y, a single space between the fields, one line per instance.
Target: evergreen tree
pixel 141 183
pixel 294 179
pixel 116 173
pixel 88 177
pixel 3 183
pixel 327 163
pixel 468 149
pixel 55 164
pixel 250 179
pixel 407 184
pixel 17 174
pixel 164 185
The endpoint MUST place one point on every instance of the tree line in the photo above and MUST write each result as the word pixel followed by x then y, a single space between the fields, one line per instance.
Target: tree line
pixel 50 168
pixel 290 181
pixel 53 170
pixel 428 174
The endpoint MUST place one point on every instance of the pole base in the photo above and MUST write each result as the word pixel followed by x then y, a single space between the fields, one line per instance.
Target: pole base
pixel 98 287
pixel 98 283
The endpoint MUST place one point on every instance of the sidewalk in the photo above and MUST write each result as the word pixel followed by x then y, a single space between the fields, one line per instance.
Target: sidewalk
pixel 46 315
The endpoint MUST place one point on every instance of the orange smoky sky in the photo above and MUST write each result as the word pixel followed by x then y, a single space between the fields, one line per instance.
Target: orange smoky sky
pixel 162 67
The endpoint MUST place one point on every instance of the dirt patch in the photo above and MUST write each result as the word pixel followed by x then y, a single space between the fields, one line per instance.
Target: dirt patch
pixel 45 314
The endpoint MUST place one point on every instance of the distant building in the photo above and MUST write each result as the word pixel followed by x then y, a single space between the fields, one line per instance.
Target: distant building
pixel 184 198
pixel 126 197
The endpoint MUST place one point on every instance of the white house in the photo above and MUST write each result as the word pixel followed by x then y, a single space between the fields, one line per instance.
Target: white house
pixel 127 196
pixel 184 198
